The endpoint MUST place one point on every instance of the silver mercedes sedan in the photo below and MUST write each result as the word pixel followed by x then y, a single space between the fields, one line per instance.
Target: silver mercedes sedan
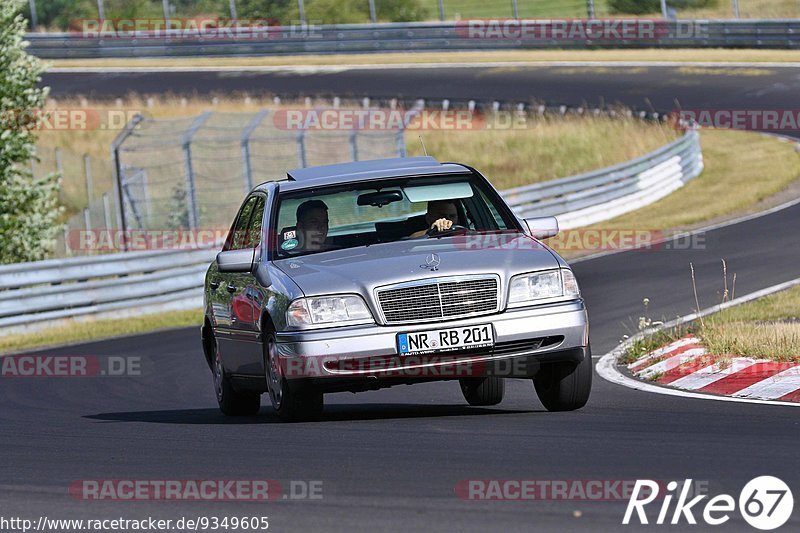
pixel 364 275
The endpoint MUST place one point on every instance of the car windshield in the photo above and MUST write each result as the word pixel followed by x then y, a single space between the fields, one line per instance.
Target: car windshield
pixel 363 214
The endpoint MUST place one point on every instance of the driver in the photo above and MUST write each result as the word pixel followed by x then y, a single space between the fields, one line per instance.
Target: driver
pixel 441 216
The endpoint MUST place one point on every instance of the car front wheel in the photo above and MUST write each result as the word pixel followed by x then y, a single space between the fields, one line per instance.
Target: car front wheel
pixel 483 391
pixel 294 400
pixel 565 386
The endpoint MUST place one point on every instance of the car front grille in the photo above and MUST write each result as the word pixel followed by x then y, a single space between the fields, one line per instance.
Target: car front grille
pixel 439 299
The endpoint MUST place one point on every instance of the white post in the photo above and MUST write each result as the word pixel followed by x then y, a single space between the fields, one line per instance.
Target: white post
pixel 664 8
pixel 101 12
pixel 233 9
pixel 372 16
pixel 302 10
pixel 87 170
pixel 736 8
pixel 34 21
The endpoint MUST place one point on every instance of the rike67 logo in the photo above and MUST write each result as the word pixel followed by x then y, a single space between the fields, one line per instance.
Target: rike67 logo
pixel 765 503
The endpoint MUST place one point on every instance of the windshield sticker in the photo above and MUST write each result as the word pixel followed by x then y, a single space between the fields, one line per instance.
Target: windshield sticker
pixel 289 244
pixel 292 234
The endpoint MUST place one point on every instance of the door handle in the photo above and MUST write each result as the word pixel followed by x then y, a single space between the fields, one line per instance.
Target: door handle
pixel 214 285
pixel 231 287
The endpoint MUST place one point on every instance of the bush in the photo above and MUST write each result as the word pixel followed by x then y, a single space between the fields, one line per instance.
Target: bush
pixel 28 206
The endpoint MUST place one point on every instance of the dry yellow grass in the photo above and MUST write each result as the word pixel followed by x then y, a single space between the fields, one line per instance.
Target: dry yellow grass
pixel 775 341
pixel 547 148
pixel 741 169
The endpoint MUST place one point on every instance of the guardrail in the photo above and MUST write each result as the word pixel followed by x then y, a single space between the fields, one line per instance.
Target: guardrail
pixel 45 293
pixel 417 36
pixel 609 192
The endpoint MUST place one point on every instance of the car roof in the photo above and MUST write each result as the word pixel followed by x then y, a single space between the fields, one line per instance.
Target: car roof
pixel 360 171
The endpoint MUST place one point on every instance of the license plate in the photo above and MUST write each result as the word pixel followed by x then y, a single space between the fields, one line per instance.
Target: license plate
pixel 445 340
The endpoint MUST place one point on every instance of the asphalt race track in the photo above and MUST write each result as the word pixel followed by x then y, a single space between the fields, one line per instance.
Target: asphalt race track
pixel 660 89
pixel 391 459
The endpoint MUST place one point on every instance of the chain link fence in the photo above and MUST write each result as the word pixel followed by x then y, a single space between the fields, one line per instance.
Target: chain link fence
pixel 190 173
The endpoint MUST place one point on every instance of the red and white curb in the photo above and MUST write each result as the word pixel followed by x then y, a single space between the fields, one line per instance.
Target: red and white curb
pixel 684 369
pixel 685 364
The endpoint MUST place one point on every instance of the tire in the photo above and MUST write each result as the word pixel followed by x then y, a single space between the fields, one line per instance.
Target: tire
pixel 294 400
pixel 483 391
pixel 565 386
pixel 231 402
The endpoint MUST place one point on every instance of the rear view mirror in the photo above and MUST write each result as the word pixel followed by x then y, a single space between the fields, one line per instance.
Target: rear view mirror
pixel 236 260
pixel 379 198
pixel 542 227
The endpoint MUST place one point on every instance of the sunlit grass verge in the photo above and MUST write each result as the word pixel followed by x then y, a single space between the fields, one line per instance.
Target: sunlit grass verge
pixel 767 328
pixel 742 170
pixel 548 148
pixel 100 329
pixel 650 55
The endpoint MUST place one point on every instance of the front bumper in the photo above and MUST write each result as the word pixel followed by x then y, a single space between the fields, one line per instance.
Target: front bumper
pixel 524 338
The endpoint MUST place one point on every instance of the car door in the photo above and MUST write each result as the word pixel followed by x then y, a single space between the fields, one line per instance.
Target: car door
pixel 224 287
pixel 246 302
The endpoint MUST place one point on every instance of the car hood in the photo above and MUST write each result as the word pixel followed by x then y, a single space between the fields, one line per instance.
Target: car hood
pixel 362 269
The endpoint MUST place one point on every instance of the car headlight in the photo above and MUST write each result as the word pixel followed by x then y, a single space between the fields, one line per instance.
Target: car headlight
pixel 541 285
pixel 327 310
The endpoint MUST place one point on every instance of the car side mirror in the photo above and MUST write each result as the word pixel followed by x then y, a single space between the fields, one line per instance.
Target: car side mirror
pixel 236 260
pixel 542 227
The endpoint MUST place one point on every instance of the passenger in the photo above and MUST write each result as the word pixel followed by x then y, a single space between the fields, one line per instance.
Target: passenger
pixel 441 215
pixel 312 225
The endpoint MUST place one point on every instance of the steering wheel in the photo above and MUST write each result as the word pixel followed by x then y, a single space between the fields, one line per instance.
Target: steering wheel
pixel 455 228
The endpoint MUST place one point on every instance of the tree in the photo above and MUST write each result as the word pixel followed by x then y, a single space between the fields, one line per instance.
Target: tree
pixel 28 205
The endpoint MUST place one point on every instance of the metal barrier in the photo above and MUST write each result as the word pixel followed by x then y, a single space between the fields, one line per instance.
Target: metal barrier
pixel 44 293
pixel 421 36
pixel 609 192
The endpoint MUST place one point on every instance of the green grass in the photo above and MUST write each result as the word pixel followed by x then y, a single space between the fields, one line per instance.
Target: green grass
pixel 767 328
pixel 100 329
pixel 454 9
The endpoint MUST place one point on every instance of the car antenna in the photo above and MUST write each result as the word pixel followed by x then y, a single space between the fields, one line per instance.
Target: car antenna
pixel 423 145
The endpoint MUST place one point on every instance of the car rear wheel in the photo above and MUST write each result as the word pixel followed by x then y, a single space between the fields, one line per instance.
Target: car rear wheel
pixel 483 391
pixel 565 386
pixel 294 400
pixel 231 402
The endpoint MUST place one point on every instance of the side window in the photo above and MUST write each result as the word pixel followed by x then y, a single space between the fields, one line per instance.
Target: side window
pixel 499 223
pixel 236 239
pixel 253 238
